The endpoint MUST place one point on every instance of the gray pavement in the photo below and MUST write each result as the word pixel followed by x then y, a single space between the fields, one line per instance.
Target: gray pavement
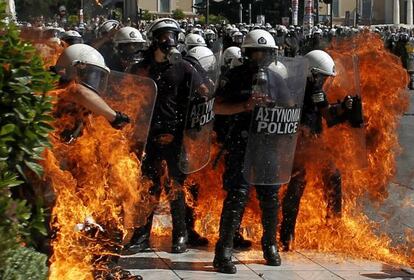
pixel 195 264
pixel 395 216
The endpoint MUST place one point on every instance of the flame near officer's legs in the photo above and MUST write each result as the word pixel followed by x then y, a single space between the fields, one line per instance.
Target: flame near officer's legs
pixel 383 84
pixel 100 195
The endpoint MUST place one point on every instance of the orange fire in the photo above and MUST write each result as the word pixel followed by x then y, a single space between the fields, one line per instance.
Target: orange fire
pixel 383 82
pixel 100 195
pixel 48 48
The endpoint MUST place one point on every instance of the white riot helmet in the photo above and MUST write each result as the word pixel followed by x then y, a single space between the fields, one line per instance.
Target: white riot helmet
pixel 204 56
pixel 197 31
pixel 107 26
pixel 244 30
pixel 320 62
pixel 194 40
pixel 84 64
pixel 229 54
pixel 279 68
pixel 71 37
pixel 234 30
pixel 237 37
pixel 317 31
pixel 163 34
pixel 258 39
pixel 128 35
pixel 128 42
pixel 160 25
pixel 210 35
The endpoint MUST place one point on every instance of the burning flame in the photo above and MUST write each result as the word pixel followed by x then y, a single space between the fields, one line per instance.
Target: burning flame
pixel 99 190
pixel 383 82
pixel 48 48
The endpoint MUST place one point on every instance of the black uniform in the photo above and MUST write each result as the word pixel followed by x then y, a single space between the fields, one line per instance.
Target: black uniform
pixel 236 87
pixel 173 82
pixel 311 120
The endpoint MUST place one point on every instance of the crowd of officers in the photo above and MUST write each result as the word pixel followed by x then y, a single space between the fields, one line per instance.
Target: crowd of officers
pixel 173 54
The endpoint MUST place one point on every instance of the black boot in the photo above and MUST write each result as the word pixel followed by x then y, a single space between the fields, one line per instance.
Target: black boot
pixel 179 232
pixel 233 207
pixel 269 204
pixel 240 243
pixel 140 241
pixel 290 209
pixel 194 238
pixel 222 260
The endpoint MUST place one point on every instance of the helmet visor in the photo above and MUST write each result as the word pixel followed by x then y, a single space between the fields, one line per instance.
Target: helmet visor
pixel 93 77
pixel 129 48
pixel 238 39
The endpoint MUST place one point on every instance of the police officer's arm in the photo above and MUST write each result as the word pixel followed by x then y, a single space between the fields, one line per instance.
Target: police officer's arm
pixel 335 113
pixel 223 107
pixel 93 102
pixel 225 103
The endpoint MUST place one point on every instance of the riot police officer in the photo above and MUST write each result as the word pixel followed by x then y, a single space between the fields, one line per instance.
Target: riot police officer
pixel 128 49
pixel 235 98
pixel 204 61
pixel 316 107
pixel 104 43
pixel 86 66
pixel 163 63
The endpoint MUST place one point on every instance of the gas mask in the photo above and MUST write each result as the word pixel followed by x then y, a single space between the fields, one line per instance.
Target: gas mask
pixel 260 57
pixel 167 43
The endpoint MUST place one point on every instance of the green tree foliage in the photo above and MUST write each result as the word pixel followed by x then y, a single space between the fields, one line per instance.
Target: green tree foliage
pixel 24 128
pixel 178 14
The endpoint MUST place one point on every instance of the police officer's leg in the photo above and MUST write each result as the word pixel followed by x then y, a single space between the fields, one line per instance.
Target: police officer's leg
pixel 177 203
pixel 151 168
pixel 333 192
pixel 179 232
pixel 194 239
pixel 290 207
pixel 233 206
pixel 239 242
pixel 269 204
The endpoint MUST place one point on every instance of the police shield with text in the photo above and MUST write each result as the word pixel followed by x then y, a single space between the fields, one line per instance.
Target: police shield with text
pixel 253 92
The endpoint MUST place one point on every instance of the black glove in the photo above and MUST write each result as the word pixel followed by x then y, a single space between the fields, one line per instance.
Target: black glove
pixel 344 103
pixel 120 121
pixel 354 115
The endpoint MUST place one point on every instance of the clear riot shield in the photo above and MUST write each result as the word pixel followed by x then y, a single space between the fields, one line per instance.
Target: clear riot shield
pixel 134 96
pixel 217 50
pixel 274 126
pixel 347 83
pixel 195 150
